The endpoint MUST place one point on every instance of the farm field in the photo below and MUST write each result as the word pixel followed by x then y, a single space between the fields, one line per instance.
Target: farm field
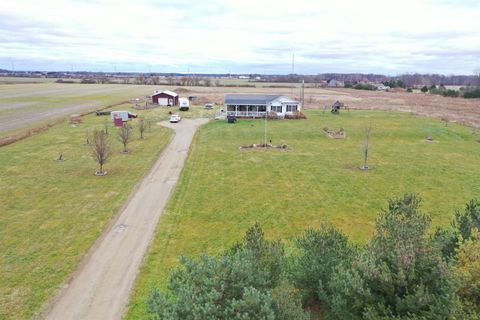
pixel 53 211
pixel 23 105
pixel 464 111
pixel 26 106
pixel 24 80
pixel 224 190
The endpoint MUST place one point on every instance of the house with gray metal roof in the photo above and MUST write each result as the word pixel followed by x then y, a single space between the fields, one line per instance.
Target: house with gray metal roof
pixel 257 105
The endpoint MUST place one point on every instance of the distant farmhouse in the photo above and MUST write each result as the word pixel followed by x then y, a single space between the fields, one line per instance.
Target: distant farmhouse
pixel 165 98
pixel 256 105
pixel 381 87
pixel 336 84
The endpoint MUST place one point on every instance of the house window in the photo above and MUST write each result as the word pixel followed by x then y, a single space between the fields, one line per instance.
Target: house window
pixel 277 109
pixel 292 107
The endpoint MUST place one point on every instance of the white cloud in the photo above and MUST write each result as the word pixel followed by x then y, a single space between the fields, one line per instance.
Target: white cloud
pixel 242 35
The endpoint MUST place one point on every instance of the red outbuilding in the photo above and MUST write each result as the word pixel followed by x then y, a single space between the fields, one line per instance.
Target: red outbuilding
pixel 165 98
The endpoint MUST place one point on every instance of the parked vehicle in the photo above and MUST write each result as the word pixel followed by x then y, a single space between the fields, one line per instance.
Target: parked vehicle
pixel 208 106
pixel 174 118
pixel 119 114
pixel 124 115
pixel 184 104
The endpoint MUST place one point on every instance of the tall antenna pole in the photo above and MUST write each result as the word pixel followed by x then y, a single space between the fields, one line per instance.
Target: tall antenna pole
pixel 302 93
pixel 293 68
pixel 293 63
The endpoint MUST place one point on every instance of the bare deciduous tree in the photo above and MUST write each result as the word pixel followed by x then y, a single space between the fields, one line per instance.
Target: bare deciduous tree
pixel 101 149
pixel 170 80
pixel 366 147
pixel 105 125
pixel 476 72
pixel 141 127
pixel 124 135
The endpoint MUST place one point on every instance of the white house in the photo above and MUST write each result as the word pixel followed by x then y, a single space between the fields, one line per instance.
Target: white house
pixel 256 105
pixel 382 87
pixel 336 84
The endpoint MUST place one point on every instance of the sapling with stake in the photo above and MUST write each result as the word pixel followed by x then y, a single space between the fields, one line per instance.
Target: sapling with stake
pixel 366 148
pixel 141 127
pixel 125 135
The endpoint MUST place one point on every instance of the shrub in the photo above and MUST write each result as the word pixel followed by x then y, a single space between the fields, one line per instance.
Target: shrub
pixel 424 89
pixel 243 283
pixel 296 115
pixel 400 275
pixel 450 93
pixel 365 86
pixel 320 253
pixel 462 225
pixel 468 273
pixel 472 93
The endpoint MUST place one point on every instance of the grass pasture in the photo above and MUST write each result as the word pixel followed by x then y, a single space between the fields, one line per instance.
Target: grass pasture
pixel 224 190
pixel 51 211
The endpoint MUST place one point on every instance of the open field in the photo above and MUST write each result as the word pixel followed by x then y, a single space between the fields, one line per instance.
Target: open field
pixel 53 211
pixel 224 190
pixel 24 80
pixel 22 105
pixel 464 111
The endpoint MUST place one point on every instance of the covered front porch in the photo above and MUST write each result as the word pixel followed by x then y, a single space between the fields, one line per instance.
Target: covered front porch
pixel 247 111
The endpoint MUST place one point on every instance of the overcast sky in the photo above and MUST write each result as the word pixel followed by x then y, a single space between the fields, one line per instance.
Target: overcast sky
pixel 242 36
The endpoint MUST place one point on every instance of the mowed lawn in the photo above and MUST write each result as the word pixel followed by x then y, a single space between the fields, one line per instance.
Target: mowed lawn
pixel 51 212
pixel 224 190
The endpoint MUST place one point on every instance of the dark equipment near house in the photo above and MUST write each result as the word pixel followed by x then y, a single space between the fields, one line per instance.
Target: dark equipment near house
pixel 231 119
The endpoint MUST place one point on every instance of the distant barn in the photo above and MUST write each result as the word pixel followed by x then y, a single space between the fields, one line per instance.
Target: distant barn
pixel 165 98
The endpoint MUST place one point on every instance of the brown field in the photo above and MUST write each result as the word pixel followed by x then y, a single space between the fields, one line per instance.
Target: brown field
pixel 464 111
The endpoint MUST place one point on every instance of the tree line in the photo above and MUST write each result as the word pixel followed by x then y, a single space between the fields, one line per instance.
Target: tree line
pixel 404 272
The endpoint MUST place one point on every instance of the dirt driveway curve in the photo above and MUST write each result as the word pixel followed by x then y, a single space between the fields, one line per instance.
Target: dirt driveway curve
pixel 100 288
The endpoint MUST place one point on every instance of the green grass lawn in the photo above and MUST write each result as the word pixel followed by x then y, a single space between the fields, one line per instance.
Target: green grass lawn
pixel 51 212
pixel 223 190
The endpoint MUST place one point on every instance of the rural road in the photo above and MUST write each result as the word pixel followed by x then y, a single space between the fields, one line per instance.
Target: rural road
pixel 100 288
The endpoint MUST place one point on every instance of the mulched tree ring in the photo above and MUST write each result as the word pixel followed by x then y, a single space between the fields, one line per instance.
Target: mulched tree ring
pixel 364 168
pixel 263 146
pixel 100 173
pixel 340 134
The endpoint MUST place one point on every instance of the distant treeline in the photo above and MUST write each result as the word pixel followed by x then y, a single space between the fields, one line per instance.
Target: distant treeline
pixel 409 80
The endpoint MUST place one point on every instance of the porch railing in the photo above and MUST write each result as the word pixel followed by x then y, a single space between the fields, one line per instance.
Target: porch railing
pixel 250 114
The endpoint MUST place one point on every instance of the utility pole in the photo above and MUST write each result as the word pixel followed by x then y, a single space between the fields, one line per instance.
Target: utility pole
pixel 266 116
pixel 293 63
